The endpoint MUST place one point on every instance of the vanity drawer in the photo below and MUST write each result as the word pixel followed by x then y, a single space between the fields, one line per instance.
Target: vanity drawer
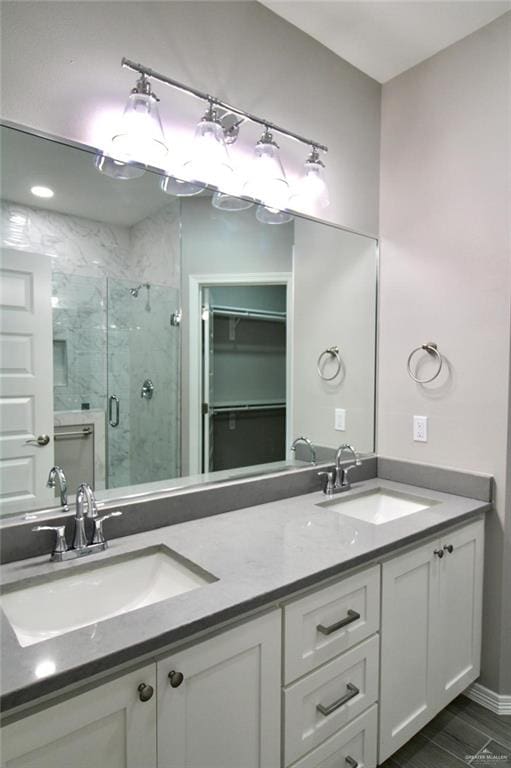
pixel 326 700
pixel 354 745
pixel 328 622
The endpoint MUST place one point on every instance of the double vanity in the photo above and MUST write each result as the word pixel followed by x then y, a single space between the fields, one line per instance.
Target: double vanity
pixel 307 631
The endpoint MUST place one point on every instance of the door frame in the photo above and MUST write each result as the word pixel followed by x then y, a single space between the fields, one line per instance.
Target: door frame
pixel 195 285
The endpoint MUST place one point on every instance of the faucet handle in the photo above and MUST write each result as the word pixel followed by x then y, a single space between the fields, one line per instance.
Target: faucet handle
pixel 98 536
pixel 330 481
pixel 60 540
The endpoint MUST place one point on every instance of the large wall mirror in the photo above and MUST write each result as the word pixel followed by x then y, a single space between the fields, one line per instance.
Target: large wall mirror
pixel 148 338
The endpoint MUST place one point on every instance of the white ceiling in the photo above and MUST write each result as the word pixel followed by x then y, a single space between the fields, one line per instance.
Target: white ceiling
pixel 384 38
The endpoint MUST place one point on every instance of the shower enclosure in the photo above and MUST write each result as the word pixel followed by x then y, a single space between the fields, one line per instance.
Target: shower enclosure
pixel 117 355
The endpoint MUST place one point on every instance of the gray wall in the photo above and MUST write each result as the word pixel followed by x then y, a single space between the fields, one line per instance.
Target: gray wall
pixel 334 274
pixel 446 277
pixel 61 74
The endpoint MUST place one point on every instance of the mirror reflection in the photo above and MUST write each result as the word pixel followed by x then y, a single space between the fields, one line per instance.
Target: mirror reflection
pixel 148 338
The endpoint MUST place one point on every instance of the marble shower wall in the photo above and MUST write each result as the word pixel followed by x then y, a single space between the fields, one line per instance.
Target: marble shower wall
pixel 79 341
pixel 94 261
pixel 143 345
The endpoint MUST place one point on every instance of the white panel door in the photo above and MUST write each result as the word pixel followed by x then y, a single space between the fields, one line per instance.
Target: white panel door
pixel 106 727
pixel 225 711
pixel 26 379
pixel 410 585
pixel 459 616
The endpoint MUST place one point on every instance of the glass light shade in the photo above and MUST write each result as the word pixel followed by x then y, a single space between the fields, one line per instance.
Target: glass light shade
pixel 180 187
pixel 226 202
pixel 116 169
pixel 209 162
pixel 140 135
pixel 267 179
pixel 272 215
pixel 312 189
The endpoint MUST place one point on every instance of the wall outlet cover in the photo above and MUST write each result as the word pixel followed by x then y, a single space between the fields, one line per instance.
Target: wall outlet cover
pixel 420 429
pixel 340 419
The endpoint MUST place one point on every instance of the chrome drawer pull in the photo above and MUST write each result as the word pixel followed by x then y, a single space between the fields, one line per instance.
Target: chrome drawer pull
pixel 352 691
pixel 352 616
pixel 351 761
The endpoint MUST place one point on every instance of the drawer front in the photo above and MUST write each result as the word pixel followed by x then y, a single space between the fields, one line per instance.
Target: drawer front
pixel 330 621
pixel 354 746
pixel 318 705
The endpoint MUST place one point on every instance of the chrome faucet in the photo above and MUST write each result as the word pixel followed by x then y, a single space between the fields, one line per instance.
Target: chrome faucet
pixel 309 445
pixel 57 477
pixel 341 474
pixel 85 507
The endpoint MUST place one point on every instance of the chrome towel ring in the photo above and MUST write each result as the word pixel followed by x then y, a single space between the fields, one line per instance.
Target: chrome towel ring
pixel 333 352
pixel 431 348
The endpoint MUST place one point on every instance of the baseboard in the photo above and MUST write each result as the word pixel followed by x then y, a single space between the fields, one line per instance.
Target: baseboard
pixel 495 702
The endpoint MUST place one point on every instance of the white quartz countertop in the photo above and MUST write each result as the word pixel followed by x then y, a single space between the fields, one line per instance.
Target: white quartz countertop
pixel 260 555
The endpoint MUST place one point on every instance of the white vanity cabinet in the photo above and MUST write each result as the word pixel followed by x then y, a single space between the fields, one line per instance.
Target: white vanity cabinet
pixel 430 631
pixel 219 700
pixel 331 654
pixel 106 726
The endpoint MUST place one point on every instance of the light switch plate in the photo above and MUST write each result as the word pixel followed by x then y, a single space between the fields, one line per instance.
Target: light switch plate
pixel 420 429
pixel 340 419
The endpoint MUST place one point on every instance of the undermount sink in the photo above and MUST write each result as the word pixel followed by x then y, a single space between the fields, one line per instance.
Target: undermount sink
pixel 97 591
pixel 378 505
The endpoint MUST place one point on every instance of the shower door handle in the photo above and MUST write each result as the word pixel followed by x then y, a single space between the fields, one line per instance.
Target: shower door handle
pixel 114 407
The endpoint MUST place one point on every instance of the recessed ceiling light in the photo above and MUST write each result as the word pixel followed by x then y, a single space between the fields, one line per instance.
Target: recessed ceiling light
pixel 42 191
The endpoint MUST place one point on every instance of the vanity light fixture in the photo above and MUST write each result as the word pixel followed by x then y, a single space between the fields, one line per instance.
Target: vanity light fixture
pixel 267 215
pixel 40 191
pixel 116 169
pixel 140 140
pixel 312 188
pixel 140 134
pixel 267 181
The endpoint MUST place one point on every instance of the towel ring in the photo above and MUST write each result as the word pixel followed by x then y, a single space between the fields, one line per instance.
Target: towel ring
pixel 333 352
pixel 431 348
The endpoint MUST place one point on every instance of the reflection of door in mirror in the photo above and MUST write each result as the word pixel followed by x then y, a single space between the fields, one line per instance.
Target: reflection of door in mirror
pixel 26 411
pixel 244 375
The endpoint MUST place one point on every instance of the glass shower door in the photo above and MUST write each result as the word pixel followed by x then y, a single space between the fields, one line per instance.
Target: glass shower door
pixel 143 419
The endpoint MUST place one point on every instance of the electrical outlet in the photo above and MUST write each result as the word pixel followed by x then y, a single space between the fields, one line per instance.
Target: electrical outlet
pixel 420 429
pixel 340 419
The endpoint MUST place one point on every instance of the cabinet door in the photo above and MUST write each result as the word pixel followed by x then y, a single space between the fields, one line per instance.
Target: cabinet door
pixel 461 586
pixel 410 586
pixel 226 711
pixel 105 726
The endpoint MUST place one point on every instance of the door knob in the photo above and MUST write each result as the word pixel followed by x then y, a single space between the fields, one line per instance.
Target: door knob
pixel 176 678
pixel 145 692
pixel 41 440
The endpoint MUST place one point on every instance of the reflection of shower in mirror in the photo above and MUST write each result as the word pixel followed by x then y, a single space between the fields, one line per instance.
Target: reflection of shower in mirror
pixel 135 291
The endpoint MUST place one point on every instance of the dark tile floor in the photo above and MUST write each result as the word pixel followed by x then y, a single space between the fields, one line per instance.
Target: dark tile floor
pixel 462 734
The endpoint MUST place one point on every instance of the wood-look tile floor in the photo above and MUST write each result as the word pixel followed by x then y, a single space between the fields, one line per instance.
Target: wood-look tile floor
pixel 464 734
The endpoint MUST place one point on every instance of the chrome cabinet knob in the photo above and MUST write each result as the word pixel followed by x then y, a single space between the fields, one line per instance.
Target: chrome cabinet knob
pixel 145 692
pixel 176 678
pixel 439 553
pixel 448 548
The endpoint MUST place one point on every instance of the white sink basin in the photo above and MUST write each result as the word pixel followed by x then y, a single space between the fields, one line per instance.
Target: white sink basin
pixel 94 592
pixel 378 505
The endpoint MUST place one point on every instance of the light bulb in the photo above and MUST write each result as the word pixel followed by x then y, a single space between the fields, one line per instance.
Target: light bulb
pixel 140 135
pixel 226 202
pixel 209 162
pixel 267 181
pixel 272 215
pixel 312 189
